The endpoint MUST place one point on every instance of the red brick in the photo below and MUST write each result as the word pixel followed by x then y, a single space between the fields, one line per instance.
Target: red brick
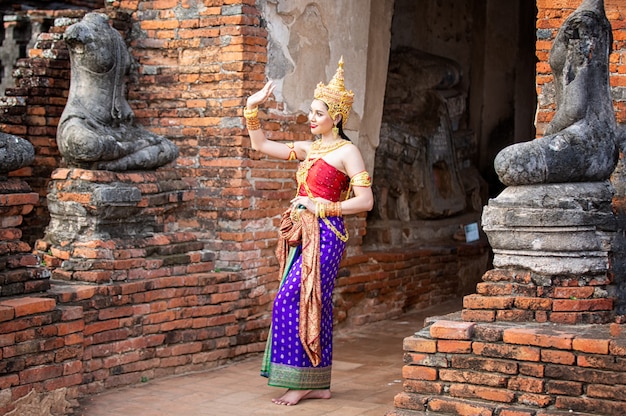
pixel 454 347
pixel 504 288
pixel 527 384
pixel 71 313
pixel 541 337
pixel 100 326
pixel 562 387
pixel 6 313
pixel 532 369
pixel 65 328
pixel 506 275
pixel 591 345
pixel 418 344
pixel 573 293
pixel 29 306
pixel 522 353
pixel 472 377
pixel 424 387
pixel 9 381
pixel 481 392
pixel 600 361
pixel 514 315
pixel 415 372
pixel 478 315
pixel 578 305
pixel 411 401
pixel 44 372
pixel 485 364
pixel 488 302
pixel 566 318
pixel 62 382
pixel 452 330
pixel 460 407
pixel 430 360
pixel 533 303
pixel 590 405
pixel 537 400
pixel 73 293
pixel 516 412
pixel 618 347
pixel 601 391
pixel 558 357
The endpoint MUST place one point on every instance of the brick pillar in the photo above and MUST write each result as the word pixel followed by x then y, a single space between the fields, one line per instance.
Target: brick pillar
pixel 19 271
pixel 107 226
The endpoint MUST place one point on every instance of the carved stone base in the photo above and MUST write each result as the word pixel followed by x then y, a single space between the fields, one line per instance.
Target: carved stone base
pixel 109 226
pixel 552 229
pixel 552 247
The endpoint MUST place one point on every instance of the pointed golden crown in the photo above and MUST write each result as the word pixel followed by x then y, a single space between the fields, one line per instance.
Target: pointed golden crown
pixel 335 96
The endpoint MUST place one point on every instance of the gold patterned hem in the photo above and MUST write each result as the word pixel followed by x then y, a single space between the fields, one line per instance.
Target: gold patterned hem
pixel 299 378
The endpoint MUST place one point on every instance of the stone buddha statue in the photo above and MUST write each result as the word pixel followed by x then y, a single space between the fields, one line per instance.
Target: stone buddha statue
pixel 15 153
pixel 579 144
pixel 97 128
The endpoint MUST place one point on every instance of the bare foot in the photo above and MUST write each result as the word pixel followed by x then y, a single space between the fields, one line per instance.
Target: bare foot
pixel 292 397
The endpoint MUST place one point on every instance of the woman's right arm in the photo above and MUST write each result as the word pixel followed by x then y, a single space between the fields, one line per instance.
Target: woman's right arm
pixel 258 139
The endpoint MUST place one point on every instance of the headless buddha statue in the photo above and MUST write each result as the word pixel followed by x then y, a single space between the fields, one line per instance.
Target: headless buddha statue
pixel 580 142
pixel 97 129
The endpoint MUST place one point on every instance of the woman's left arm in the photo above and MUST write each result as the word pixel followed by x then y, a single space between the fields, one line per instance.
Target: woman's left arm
pixel 363 199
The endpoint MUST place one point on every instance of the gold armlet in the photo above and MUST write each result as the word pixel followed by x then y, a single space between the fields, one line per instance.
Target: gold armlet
pixel 361 179
pixel 292 154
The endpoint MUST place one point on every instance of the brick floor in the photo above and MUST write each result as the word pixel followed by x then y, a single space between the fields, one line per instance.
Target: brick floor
pixel 367 374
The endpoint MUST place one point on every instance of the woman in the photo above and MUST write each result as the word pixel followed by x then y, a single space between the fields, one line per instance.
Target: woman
pixel 332 182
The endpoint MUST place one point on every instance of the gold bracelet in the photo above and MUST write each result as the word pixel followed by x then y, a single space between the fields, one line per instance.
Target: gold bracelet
pixel 333 209
pixel 320 210
pixel 253 124
pixel 248 114
pixel 338 211
pixel 252 118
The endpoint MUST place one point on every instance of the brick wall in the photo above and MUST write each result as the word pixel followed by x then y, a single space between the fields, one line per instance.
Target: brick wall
pixel 550 17
pixel 196 63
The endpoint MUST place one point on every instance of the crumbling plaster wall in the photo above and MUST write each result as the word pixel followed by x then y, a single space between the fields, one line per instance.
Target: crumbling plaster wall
pixel 306 40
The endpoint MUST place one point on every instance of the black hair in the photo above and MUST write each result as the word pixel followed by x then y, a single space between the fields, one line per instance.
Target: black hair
pixel 341 133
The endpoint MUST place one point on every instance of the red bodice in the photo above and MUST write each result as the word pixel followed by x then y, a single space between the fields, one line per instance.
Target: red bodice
pixel 325 181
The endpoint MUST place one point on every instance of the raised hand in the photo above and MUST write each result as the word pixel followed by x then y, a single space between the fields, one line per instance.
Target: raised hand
pixel 260 96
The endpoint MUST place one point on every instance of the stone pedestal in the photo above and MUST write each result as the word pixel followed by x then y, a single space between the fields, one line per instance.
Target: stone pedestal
pixel 116 226
pixel 552 229
pixel 20 271
pixel 552 246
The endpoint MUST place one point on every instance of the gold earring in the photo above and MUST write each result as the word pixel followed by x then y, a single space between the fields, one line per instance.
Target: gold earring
pixel 336 131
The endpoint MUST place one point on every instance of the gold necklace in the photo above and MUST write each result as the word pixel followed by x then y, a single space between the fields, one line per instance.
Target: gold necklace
pixel 316 152
pixel 317 148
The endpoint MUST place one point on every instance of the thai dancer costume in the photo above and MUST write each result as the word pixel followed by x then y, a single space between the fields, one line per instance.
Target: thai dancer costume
pixel 298 353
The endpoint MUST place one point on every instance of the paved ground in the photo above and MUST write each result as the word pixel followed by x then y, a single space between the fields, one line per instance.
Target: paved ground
pixel 367 370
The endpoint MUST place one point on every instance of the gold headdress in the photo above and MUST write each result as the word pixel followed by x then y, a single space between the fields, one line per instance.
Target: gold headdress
pixel 335 96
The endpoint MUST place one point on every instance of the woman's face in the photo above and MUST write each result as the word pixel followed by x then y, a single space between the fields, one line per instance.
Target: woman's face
pixel 320 120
